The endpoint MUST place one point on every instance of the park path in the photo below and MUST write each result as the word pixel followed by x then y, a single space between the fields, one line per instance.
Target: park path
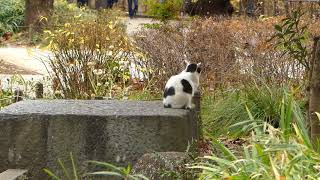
pixel 27 61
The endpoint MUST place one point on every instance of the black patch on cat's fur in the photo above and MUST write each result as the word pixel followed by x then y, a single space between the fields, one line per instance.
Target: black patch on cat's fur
pixel 169 92
pixel 168 106
pixel 198 70
pixel 192 68
pixel 184 107
pixel 187 88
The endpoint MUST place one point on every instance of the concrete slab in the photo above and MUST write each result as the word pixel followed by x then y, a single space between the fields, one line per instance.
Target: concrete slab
pixel 34 134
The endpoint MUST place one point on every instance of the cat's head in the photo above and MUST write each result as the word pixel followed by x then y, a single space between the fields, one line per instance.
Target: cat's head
pixel 192 67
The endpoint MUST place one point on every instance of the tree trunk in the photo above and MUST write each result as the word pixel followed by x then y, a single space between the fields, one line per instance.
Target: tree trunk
pixel 286 7
pixel 314 102
pixel 92 4
pixel 35 9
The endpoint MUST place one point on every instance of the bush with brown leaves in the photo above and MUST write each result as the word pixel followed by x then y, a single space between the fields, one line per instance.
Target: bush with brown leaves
pixel 232 51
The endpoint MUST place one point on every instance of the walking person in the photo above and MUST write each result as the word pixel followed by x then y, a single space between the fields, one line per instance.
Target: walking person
pixel 110 3
pixel 82 3
pixel 132 11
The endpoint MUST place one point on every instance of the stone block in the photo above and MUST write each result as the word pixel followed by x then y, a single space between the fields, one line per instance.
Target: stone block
pixel 34 134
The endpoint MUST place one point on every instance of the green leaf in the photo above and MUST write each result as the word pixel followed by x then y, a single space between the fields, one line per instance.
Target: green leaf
pixel 262 155
pixel 278 28
pixel 104 164
pixel 225 150
pixel 64 169
pixel 106 173
pixel 51 174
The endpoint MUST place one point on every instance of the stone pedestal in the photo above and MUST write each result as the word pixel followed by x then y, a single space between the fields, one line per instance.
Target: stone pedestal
pixel 34 134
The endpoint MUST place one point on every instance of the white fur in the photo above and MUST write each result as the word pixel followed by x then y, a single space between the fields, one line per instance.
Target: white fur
pixel 181 99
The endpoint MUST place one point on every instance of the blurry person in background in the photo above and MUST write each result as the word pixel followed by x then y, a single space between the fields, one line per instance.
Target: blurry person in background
pixel 82 2
pixel 110 3
pixel 132 10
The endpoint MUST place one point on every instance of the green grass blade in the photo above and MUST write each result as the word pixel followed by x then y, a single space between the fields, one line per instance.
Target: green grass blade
pixel 225 150
pixel 262 155
pixel 66 173
pixel 301 124
pixel 74 167
pixel 106 173
pixel 105 165
pixel 203 167
pixel 51 174
pixel 222 161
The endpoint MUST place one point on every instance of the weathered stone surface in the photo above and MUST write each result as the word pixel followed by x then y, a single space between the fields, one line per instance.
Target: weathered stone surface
pixel 34 134
pixel 13 174
pixel 161 165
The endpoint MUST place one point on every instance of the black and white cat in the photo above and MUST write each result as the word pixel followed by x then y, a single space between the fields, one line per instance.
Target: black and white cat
pixel 180 88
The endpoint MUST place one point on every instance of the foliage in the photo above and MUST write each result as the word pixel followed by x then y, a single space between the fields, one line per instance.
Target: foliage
pixel 5 98
pixel 111 170
pixel 216 112
pixel 16 82
pixel 90 58
pixel 228 108
pixel 11 15
pixel 232 51
pixel 64 12
pixel 284 153
pixel 292 37
pixel 145 95
pixel 74 175
pixel 165 9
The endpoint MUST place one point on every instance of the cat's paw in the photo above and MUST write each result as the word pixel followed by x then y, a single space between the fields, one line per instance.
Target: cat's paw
pixel 191 106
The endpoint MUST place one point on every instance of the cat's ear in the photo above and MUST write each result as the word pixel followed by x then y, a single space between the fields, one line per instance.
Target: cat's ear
pixel 187 62
pixel 199 67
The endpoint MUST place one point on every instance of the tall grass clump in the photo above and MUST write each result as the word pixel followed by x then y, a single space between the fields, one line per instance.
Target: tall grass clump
pixel 229 108
pixel 71 171
pixel 110 170
pixel 11 15
pixel 284 153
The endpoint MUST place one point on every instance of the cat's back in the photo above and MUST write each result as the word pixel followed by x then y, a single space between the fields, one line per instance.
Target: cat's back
pixel 172 81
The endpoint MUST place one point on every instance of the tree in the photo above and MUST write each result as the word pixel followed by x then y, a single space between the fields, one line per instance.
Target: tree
pixel 314 103
pixel 35 9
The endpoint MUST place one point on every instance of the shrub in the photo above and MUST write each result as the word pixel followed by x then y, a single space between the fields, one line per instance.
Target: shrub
pixel 64 12
pixel 5 98
pixel 233 52
pixel 90 58
pixel 11 15
pixel 168 9
pixel 292 38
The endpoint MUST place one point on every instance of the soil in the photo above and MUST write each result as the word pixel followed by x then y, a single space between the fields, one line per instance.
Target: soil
pixel 234 145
